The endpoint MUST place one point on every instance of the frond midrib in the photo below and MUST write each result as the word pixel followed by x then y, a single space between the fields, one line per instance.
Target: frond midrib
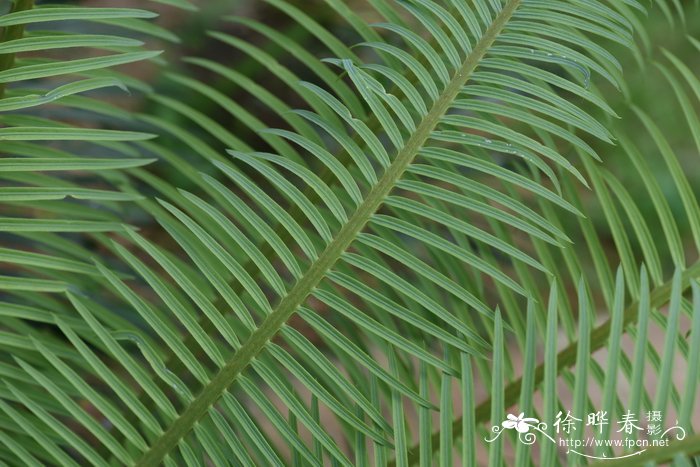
pixel 317 271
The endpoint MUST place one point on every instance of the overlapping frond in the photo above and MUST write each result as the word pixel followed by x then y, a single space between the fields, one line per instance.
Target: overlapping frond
pixel 43 159
pixel 586 388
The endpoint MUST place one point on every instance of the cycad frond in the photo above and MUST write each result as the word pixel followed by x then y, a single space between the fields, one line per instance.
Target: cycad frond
pixel 381 217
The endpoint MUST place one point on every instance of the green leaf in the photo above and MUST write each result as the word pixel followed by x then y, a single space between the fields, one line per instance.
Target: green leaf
pixel 79 65
pixel 39 15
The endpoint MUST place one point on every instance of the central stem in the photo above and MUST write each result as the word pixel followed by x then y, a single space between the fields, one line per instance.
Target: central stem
pixel 301 290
